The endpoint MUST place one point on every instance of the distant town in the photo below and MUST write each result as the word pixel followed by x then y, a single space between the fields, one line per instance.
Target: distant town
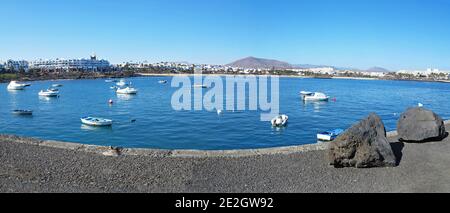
pixel 93 67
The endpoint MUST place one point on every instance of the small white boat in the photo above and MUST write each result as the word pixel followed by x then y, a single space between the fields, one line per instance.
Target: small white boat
pixel 121 83
pixel 53 90
pixel 48 93
pixel 329 135
pixel 22 112
pixel 280 121
pixel 200 86
pixel 108 81
pixel 162 82
pixel 127 90
pixel 92 121
pixel 57 85
pixel 14 85
pixel 114 87
pixel 314 96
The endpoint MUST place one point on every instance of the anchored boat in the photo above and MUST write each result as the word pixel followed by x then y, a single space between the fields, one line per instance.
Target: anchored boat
pixel 48 93
pixel 329 135
pixel 22 112
pixel 200 86
pixel 92 121
pixel 280 121
pixel 314 96
pixel 127 90
pixel 162 82
pixel 14 85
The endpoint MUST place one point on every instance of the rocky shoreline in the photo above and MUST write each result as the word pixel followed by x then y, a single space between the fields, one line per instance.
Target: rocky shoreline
pixel 68 76
pixel 30 165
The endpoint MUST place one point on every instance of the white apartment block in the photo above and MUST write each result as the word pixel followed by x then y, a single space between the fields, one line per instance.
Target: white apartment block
pixel 92 64
pixel 427 72
pixel 16 65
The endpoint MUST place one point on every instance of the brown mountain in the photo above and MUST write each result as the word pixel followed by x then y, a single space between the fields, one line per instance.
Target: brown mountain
pixel 260 63
pixel 377 69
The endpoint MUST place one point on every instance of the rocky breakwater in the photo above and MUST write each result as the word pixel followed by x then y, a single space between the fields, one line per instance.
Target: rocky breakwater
pixel 364 145
pixel 420 125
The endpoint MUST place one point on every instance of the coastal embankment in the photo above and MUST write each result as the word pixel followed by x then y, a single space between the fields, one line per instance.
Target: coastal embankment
pixel 31 165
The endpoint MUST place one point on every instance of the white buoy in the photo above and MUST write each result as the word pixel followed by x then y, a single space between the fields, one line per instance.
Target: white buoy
pixel 420 105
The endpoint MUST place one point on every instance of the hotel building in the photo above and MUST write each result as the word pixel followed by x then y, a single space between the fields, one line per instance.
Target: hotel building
pixel 91 64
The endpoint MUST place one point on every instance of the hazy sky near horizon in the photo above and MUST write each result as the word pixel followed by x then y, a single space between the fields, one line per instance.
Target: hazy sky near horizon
pixel 395 34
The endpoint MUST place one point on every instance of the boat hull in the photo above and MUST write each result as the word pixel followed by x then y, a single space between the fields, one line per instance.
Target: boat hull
pixel 22 112
pixel 98 123
pixel 16 87
pixel 276 121
pixel 48 94
pixel 315 99
pixel 324 137
pixel 127 91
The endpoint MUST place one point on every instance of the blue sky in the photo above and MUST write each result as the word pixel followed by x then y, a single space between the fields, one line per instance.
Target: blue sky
pixel 396 34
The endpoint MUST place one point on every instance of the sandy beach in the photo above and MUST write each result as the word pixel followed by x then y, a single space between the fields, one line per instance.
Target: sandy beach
pixel 30 165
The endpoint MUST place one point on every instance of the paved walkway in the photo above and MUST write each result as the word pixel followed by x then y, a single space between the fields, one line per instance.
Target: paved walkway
pixel 26 167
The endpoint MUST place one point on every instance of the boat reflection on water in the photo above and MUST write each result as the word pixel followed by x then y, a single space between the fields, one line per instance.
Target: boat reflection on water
pixel 317 105
pixel 279 130
pixel 95 128
pixel 47 98
pixel 15 92
pixel 125 97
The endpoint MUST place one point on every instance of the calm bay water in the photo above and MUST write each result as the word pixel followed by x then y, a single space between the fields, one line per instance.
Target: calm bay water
pixel 159 126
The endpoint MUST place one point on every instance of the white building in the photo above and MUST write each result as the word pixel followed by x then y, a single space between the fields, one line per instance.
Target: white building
pixel 17 65
pixel 373 74
pixel 427 72
pixel 91 64
pixel 318 70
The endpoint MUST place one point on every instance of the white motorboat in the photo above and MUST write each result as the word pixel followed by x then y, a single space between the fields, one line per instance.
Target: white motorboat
pixel 48 93
pixel 280 121
pixel 314 96
pixel 329 135
pixel 200 86
pixel 14 85
pixel 127 90
pixel 92 121
pixel 162 82
pixel 121 83
pixel 57 85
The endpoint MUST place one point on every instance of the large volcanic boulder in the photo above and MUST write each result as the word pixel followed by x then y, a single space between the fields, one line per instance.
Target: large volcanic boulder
pixel 420 125
pixel 362 146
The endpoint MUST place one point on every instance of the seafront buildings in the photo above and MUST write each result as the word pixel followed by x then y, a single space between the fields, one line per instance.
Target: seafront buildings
pixel 427 72
pixel 95 64
pixel 91 64
pixel 20 65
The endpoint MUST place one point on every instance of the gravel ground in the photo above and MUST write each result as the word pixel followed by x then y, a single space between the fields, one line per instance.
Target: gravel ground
pixel 32 168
